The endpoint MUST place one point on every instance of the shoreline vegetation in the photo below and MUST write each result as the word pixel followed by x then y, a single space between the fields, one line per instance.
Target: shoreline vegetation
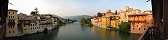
pixel 85 21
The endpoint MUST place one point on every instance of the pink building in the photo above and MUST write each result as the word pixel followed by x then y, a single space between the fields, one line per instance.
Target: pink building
pixel 140 22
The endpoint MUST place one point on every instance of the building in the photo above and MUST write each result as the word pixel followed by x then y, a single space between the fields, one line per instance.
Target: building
pixel 140 22
pixel 94 21
pixel 105 22
pixel 24 24
pixel 49 21
pixel 123 16
pixel 108 13
pixel 43 22
pixel 149 17
pixel 105 19
pixel 124 13
pixel 12 23
pixel 56 20
pixel 35 24
pixel 114 21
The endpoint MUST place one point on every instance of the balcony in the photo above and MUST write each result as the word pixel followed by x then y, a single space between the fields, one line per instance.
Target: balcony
pixel 11 18
pixel 11 23
pixel 137 20
pixel 27 23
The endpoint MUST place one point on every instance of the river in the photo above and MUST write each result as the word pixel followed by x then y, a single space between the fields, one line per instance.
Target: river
pixel 75 31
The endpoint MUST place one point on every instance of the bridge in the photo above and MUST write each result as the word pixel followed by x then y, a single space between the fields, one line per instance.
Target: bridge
pixel 159 31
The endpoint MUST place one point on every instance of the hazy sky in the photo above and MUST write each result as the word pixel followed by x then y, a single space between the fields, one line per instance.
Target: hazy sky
pixel 76 7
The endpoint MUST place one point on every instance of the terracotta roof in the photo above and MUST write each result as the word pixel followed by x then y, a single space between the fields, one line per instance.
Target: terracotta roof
pixel 12 10
pixel 137 14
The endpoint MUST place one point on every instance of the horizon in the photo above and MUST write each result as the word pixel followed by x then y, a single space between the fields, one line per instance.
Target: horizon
pixel 76 7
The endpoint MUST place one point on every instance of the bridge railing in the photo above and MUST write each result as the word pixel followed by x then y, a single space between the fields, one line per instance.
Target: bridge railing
pixel 150 34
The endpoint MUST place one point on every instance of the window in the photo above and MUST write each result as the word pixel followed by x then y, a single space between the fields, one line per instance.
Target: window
pixel 24 29
pixel 137 25
pixel 9 12
pixel 13 31
pixel 11 17
pixel 144 28
pixel 13 12
pixel 133 28
pixel 9 31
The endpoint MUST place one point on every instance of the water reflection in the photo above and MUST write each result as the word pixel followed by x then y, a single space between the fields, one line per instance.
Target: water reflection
pixel 50 35
pixel 105 34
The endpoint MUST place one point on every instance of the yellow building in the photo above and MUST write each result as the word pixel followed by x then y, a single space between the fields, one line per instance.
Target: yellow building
pixel 105 22
pixel 124 13
pixel 123 17
pixel 26 27
pixel 11 23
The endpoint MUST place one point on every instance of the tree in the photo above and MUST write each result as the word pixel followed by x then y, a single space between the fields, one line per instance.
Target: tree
pixel 82 20
pixel 88 21
pixel 94 16
pixel 116 12
pixel 99 14
pixel 124 26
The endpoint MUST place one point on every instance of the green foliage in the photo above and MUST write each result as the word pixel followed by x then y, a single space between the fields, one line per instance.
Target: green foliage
pixel 85 21
pixel 112 17
pixel 82 20
pixel 124 26
pixel 99 14
pixel 115 12
pixel 71 21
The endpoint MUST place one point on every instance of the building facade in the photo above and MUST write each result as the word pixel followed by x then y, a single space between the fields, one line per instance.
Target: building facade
pixel 114 21
pixel 12 23
pixel 94 21
pixel 24 24
pixel 140 22
pixel 105 22
pixel 108 13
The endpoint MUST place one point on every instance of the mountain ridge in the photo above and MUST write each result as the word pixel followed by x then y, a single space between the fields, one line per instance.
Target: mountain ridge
pixel 77 17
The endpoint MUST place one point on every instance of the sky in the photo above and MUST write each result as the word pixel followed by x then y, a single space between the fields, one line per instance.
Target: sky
pixel 76 7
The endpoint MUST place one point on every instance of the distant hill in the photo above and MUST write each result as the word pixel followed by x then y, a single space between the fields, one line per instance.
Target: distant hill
pixel 77 17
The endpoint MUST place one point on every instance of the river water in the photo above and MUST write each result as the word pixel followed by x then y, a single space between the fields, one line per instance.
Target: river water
pixel 75 31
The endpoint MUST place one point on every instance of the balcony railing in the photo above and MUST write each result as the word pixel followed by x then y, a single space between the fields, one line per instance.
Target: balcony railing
pixel 138 20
